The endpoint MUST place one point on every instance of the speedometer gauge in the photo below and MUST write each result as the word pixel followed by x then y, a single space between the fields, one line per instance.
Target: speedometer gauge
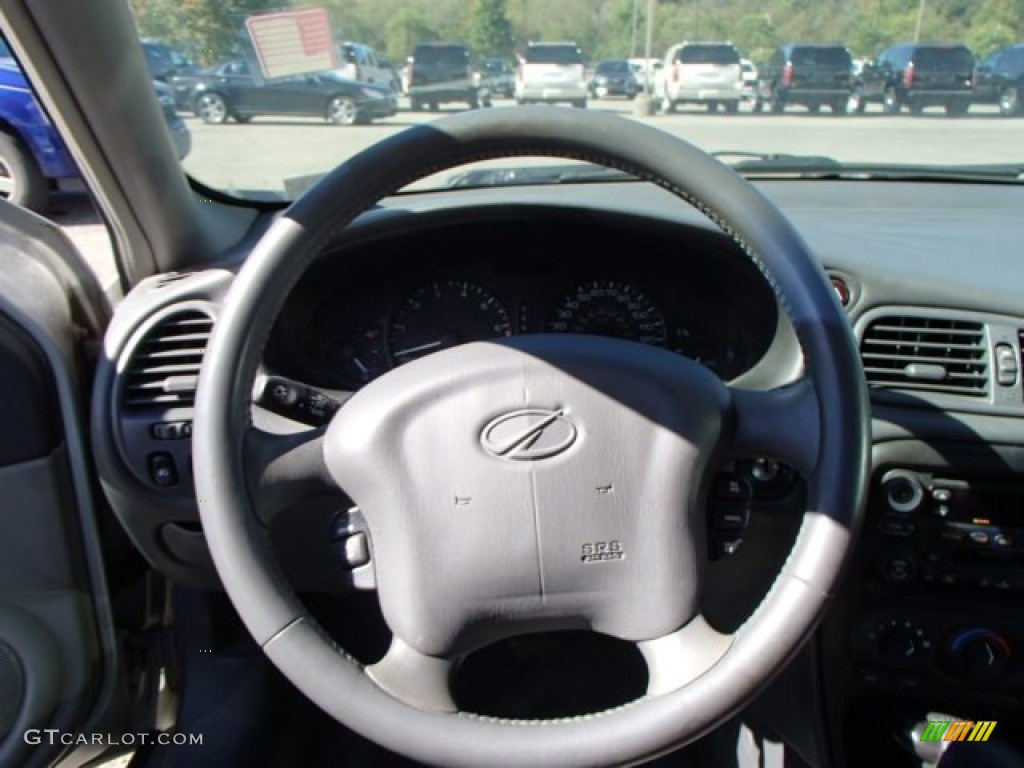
pixel 610 308
pixel 445 314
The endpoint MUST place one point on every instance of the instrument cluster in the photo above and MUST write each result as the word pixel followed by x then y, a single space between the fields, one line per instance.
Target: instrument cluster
pixel 718 312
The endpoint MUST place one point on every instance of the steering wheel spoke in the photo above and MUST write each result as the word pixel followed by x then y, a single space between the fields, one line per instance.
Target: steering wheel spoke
pixel 677 659
pixel 421 681
pixel 781 423
pixel 285 469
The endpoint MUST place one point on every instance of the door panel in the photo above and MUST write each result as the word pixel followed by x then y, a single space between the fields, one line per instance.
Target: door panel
pixel 58 655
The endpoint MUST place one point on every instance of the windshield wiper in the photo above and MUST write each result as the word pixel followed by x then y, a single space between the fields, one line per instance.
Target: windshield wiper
pixel 758 164
pixel 571 173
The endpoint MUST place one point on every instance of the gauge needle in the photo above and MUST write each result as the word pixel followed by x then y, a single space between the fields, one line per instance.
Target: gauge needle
pixel 359 364
pixel 420 348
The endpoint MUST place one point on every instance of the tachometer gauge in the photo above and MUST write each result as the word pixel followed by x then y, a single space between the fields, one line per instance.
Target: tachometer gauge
pixel 444 314
pixel 610 308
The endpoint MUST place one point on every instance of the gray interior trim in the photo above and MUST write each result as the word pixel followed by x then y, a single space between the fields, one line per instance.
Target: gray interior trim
pixel 43 675
pixel 32 296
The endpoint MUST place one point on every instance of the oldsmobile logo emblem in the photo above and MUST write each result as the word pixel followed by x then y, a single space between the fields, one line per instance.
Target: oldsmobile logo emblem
pixel 529 434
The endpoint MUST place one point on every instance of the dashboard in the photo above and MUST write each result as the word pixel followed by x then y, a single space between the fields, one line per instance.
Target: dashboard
pixel 358 316
pixel 929 617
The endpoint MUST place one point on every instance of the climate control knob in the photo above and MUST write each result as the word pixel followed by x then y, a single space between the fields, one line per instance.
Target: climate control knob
pixel 979 654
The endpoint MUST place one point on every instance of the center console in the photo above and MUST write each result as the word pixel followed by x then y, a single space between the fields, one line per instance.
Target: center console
pixel 931 619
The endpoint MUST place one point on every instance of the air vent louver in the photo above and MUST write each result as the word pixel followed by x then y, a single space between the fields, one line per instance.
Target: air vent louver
pixel 926 354
pixel 164 366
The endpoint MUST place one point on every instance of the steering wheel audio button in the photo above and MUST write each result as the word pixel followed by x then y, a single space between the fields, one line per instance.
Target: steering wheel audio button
pixel 355 550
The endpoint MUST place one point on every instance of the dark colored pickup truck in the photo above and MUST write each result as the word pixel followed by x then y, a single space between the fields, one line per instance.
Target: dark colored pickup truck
pixel 917 76
pixel 806 74
pixel 441 73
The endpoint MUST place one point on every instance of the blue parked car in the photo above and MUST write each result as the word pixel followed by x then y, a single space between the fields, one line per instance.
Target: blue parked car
pixel 33 158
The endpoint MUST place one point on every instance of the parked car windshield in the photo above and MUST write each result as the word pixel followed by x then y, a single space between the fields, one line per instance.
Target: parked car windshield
pixel 610 67
pixel 708 54
pixel 822 57
pixel 553 54
pixel 948 59
pixel 268 133
pixel 442 54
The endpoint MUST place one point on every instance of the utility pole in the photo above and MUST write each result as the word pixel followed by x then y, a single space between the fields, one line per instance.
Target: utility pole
pixel 632 42
pixel 920 18
pixel 643 105
pixel 649 40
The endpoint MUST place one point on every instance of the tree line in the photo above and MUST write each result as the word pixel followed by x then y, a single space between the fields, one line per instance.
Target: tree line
pixel 210 30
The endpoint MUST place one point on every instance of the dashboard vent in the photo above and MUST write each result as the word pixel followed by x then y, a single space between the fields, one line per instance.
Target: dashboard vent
pixel 926 354
pixel 164 366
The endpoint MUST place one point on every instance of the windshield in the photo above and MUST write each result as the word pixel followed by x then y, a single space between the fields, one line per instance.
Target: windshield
pixel 837 58
pixel 708 54
pixel 553 54
pixel 950 59
pixel 609 67
pixel 264 124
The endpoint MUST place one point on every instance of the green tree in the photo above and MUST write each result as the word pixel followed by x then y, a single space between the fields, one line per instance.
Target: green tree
pixel 209 29
pixel 406 28
pixel 490 31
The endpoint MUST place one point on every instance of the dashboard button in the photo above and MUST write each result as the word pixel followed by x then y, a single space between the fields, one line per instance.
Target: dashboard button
pixel 895 528
pixel 1006 365
pixel 729 518
pixel 162 470
pixel 724 546
pixel 898 569
pixel 730 487
pixel 354 550
pixel 979 537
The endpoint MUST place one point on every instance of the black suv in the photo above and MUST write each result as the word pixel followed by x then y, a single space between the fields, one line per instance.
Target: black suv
pixel 807 74
pixel 918 75
pixel 1000 80
pixel 440 73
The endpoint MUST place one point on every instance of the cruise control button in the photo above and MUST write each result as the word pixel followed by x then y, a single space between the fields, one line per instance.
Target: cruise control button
pixel 730 487
pixel 729 518
pixel 725 546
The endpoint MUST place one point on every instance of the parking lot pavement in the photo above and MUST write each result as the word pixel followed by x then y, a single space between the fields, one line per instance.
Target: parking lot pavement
pixel 260 155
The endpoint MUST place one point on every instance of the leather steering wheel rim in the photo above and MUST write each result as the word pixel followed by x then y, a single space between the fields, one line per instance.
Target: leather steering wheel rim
pixel 833 440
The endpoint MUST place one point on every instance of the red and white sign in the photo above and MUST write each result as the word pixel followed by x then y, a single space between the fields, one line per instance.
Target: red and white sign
pixel 293 42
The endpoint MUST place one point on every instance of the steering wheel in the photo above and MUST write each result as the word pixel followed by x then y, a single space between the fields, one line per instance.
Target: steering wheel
pixel 533 483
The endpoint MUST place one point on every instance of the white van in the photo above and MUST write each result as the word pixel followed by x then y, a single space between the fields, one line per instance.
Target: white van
pixel 359 62
pixel 701 73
